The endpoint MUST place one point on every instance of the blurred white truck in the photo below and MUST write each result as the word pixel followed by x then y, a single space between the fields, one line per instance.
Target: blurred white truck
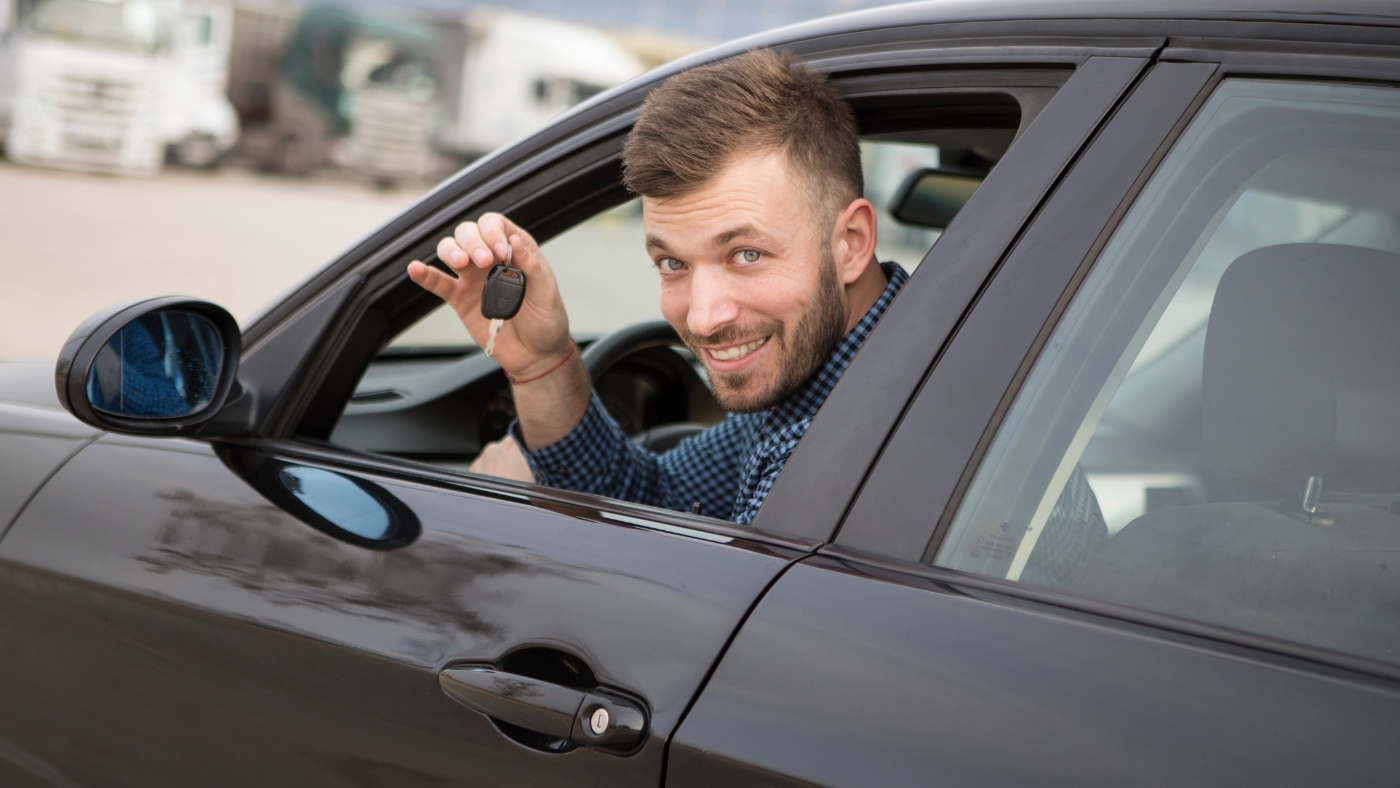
pixel 397 97
pixel 115 85
pixel 517 72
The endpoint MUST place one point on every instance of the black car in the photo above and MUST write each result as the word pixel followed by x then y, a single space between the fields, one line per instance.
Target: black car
pixel 1111 496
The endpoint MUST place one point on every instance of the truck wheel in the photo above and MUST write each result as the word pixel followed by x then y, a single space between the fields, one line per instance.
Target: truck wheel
pixel 295 156
pixel 199 150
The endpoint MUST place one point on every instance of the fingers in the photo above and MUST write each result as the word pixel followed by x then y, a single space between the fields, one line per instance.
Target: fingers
pixel 465 248
pixel 503 459
pixel 431 279
pixel 495 231
pixel 449 250
pixel 503 237
pixel 493 239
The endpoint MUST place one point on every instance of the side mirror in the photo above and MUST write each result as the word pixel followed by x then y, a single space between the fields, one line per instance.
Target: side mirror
pixel 160 366
pixel 931 198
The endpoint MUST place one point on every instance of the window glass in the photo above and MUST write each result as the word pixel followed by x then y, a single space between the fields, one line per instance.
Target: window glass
pixel 432 397
pixel 1212 430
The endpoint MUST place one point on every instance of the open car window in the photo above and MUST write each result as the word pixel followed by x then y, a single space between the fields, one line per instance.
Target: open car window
pixel 605 278
pixel 431 396
pixel 607 281
pixel 1212 430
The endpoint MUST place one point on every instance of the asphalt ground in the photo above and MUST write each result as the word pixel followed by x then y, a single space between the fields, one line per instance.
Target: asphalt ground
pixel 72 243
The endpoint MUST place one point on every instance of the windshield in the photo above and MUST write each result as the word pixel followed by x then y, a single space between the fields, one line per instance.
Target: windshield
pixel 131 25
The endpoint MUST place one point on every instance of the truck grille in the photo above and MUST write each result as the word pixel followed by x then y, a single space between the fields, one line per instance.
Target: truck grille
pixel 96 113
pixel 390 134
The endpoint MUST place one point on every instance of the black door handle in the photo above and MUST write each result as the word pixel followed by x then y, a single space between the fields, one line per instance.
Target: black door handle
pixel 598 718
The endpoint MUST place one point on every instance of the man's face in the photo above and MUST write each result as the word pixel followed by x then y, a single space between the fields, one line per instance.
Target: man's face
pixel 748 280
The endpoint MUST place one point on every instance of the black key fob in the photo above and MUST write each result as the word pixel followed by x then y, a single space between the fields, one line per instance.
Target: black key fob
pixel 503 292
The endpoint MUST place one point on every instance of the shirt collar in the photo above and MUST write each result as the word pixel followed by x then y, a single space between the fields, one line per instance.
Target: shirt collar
pixel 804 402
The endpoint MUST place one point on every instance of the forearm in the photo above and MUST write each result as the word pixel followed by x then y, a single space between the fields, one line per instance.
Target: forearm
pixel 596 457
pixel 549 407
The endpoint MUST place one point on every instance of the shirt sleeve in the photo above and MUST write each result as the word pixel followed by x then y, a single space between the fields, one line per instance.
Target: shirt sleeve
pixel 596 457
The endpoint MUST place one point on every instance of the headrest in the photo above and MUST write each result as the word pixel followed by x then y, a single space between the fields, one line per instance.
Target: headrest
pixel 1302 368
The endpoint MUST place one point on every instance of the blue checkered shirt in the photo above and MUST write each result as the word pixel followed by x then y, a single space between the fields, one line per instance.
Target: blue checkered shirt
pixel 728 469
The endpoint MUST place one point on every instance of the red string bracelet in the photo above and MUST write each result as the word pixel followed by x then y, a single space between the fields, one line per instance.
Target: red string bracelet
pixel 569 355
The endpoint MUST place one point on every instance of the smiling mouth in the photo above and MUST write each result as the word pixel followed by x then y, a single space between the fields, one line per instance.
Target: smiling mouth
pixel 736 352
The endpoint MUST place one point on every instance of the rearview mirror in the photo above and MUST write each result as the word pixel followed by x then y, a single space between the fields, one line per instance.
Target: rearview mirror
pixel 161 366
pixel 931 198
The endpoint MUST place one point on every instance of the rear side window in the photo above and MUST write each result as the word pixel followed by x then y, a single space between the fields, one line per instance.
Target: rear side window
pixel 1212 430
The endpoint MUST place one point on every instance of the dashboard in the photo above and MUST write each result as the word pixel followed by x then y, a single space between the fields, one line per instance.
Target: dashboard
pixel 442 405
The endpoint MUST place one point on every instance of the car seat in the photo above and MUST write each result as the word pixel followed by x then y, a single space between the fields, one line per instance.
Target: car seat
pixel 1301 391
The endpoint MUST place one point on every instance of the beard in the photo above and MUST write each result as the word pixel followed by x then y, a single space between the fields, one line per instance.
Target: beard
pixel 799 352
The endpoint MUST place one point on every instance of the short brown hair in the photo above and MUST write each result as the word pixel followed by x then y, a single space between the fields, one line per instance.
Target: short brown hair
pixel 701 120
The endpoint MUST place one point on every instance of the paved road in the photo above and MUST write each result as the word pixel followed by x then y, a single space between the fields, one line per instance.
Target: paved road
pixel 72 243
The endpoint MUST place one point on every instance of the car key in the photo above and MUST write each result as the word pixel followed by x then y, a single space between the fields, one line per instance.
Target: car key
pixel 502 296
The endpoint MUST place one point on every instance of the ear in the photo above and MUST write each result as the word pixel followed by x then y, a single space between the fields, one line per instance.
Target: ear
pixel 853 240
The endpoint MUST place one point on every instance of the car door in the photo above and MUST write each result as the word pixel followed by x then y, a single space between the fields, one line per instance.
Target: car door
pixel 1076 562
pixel 258 607
pixel 271 608
pixel 275 608
pixel 174 622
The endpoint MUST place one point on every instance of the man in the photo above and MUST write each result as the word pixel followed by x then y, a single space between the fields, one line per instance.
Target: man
pixel 750 177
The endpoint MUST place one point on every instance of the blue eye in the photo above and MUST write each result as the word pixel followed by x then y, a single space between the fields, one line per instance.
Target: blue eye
pixel 671 264
pixel 749 255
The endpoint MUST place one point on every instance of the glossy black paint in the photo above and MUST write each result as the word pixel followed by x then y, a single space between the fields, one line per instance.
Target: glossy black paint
pixel 150 557
pixel 34 444
pixel 909 489
pixel 171 626
pixel 272 364
pixel 975 691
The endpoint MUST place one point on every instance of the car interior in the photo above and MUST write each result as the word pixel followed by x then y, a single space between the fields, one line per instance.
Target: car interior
pixel 1219 438
pixel 430 395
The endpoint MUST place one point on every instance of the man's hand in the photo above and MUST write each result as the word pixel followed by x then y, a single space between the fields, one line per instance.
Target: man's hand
pixel 504 459
pixel 534 340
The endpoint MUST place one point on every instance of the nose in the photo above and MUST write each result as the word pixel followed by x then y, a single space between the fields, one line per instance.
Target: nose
pixel 712 302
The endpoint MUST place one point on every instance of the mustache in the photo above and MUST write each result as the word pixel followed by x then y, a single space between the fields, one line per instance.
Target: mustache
pixel 731 335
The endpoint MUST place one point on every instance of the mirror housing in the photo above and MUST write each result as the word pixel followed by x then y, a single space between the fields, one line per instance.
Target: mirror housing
pixel 932 197
pixel 180 368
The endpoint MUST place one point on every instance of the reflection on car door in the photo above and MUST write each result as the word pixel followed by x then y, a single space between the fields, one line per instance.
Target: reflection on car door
pixel 174 627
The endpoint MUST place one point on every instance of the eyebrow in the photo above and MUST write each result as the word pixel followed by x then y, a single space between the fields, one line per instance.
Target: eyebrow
pixel 652 242
pixel 737 232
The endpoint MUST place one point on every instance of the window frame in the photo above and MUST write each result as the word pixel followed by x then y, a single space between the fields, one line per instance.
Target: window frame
pixel 885 529
pixel 582 166
pixel 812 494
pixel 966 394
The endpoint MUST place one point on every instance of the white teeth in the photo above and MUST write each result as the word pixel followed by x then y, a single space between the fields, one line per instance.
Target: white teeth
pixel 736 352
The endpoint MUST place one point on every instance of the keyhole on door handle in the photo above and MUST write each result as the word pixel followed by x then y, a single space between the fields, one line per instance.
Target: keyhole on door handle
pixel 550 701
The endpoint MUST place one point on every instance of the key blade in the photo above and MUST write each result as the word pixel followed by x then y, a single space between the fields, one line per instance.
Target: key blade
pixel 491 339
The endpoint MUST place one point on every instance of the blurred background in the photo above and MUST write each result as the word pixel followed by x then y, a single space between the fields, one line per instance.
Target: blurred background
pixel 226 150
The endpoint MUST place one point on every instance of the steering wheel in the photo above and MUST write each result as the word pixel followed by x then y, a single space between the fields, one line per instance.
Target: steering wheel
pixel 607 351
